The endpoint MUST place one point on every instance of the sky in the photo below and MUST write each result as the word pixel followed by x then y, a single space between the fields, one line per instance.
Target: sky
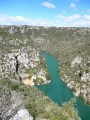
pixel 59 13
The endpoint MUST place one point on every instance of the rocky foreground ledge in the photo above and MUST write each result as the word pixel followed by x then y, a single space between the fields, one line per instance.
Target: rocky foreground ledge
pixel 22 114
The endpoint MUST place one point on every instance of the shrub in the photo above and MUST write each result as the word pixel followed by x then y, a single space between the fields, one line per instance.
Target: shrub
pixel 30 73
pixel 48 77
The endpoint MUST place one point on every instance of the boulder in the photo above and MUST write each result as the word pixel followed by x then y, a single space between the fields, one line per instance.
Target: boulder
pixel 22 114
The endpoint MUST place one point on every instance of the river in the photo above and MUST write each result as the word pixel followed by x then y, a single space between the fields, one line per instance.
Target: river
pixel 57 89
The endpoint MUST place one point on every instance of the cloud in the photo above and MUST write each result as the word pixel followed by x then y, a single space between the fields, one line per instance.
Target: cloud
pixel 69 18
pixel 75 20
pixel 5 19
pixel 73 6
pixel 86 17
pixel 48 4
pixel 19 20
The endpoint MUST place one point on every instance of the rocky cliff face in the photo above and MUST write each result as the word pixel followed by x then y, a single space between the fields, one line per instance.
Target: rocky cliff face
pixel 10 102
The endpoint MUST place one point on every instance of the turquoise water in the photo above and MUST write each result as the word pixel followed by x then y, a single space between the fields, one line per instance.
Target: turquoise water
pixel 58 91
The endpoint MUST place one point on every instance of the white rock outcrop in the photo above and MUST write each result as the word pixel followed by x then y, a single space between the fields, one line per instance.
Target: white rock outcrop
pixel 85 77
pixel 76 60
pixel 22 114
pixel 23 58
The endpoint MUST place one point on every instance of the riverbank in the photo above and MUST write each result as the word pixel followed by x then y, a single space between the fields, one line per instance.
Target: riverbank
pixel 58 91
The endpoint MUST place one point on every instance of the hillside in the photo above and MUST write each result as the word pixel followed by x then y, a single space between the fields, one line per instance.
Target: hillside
pixel 71 47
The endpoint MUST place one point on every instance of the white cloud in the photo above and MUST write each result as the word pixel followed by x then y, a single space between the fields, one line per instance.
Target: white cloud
pixel 73 6
pixel 69 18
pixel 5 19
pixel 48 4
pixel 19 20
pixel 61 17
pixel 75 20
pixel 74 17
pixel 86 17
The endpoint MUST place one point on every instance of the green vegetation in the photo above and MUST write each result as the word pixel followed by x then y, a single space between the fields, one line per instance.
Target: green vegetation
pixel 39 105
pixel 30 73
pixel 64 43
pixel 42 63
pixel 35 81
pixel 48 77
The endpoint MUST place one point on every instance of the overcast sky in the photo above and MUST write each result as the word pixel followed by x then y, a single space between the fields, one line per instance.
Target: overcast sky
pixel 60 13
